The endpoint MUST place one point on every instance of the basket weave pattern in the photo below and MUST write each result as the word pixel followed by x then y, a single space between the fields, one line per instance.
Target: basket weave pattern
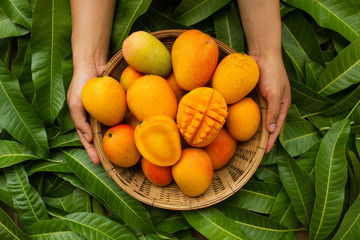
pixel 226 181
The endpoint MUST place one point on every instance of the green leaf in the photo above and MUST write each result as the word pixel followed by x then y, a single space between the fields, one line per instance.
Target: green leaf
pixel 93 226
pixel 12 152
pixel 228 28
pixel 211 223
pixel 268 173
pixel 50 229
pixel 172 223
pixel 27 201
pixel 17 116
pixel 256 196
pixel 19 11
pixel 307 98
pixel 49 165
pixel 70 139
pixel 297 187
pixel 97 207
pixel 8 28
pixel 355 167
pixel 126 13
pixel 324 123
pixel 155 20
pixel 283 211
pixel 342 72
pixel 307 160
pixel 8 229
pixel 299 135
pixel 331 175
pixel 338 15
pixel 77 201
pixel 300 42
pixel 5 196
pixel 50 35
pixel 312 72
pixel 254 225
pixel 350 226
pixel 190 12
pixel 98 182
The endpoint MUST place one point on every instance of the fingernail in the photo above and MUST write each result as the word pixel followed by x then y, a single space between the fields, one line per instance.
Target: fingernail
pixel 272 127
pixel 86 137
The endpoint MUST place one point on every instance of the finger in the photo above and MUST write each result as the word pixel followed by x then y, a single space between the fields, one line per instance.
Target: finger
pixel 79 118
pixel 280 122
pixel 274 103
pixel 90 148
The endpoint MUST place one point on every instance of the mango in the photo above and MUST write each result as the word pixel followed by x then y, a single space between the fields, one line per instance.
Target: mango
pixel 201 115
pixel 157 175
pixel 158 140
pixel 194 58
pixel 147 54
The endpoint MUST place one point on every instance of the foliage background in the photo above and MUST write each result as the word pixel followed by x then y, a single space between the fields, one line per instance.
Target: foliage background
pixel 310 181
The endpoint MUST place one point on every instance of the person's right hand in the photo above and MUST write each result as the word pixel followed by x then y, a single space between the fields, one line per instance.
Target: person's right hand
pixel 78 113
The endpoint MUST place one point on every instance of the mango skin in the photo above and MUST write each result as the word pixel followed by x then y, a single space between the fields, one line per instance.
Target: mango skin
pixel 146 54
pixel 194 58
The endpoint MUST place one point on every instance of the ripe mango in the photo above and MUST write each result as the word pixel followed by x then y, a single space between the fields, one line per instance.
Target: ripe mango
pixel 145 53
pixel 158 140
pixel 194 57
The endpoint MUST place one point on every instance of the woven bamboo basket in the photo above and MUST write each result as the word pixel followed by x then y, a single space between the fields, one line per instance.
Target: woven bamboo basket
pixel 225 182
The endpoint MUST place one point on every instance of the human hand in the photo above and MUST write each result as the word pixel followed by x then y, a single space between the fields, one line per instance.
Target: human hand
pixel 274 86
pixel 77 111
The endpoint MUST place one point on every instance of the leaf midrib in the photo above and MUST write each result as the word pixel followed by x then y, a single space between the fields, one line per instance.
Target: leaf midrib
pixel 100 180
pixel 19 115
pixel 327 185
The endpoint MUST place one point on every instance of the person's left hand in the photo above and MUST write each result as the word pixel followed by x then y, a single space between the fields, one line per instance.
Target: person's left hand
pixel 274 86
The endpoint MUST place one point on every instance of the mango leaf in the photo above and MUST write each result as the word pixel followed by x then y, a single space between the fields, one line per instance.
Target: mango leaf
pixel 299 135
pixel 312 72
pixel 342 72
pixel 172 223
pixel 49 165
pixel 97 207
pixel 331 176
pixel 17 116
pixel 27 201
pixel 283 211
pixel 12 152
pixel 268 173
pixel 21 67
pixel 77 201
pixel 93 226
pixel 354 165
pixel 5 51
pixel 64 119
pixel 324 123
pixel 307 98
pixel 50 35
pixel 350 226
pixel 285 8
pixel 228 28
pixel 98 182
pixel 256 196
pixel 211 223
pixel 50 229
pixel 126 13
pixel 8 28
pixel 70 139
pixel 5 196
pixel 340 16
pixel 307 160
pixel 297 187
pixel 8 229
pixel 299 42
pixel 71 180
pixel 254 225
pixel 155 20
pixel 19 12
pixel 275 152
pixel 190 12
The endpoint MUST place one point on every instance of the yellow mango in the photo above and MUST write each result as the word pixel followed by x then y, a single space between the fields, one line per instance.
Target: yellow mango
pixel 158 140
pixel 147 54
pixel 201 115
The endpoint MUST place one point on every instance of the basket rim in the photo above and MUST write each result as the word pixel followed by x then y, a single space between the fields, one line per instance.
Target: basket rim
pixel 193 203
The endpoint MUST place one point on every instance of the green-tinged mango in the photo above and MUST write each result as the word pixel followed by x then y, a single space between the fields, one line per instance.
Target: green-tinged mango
pixel 147 54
